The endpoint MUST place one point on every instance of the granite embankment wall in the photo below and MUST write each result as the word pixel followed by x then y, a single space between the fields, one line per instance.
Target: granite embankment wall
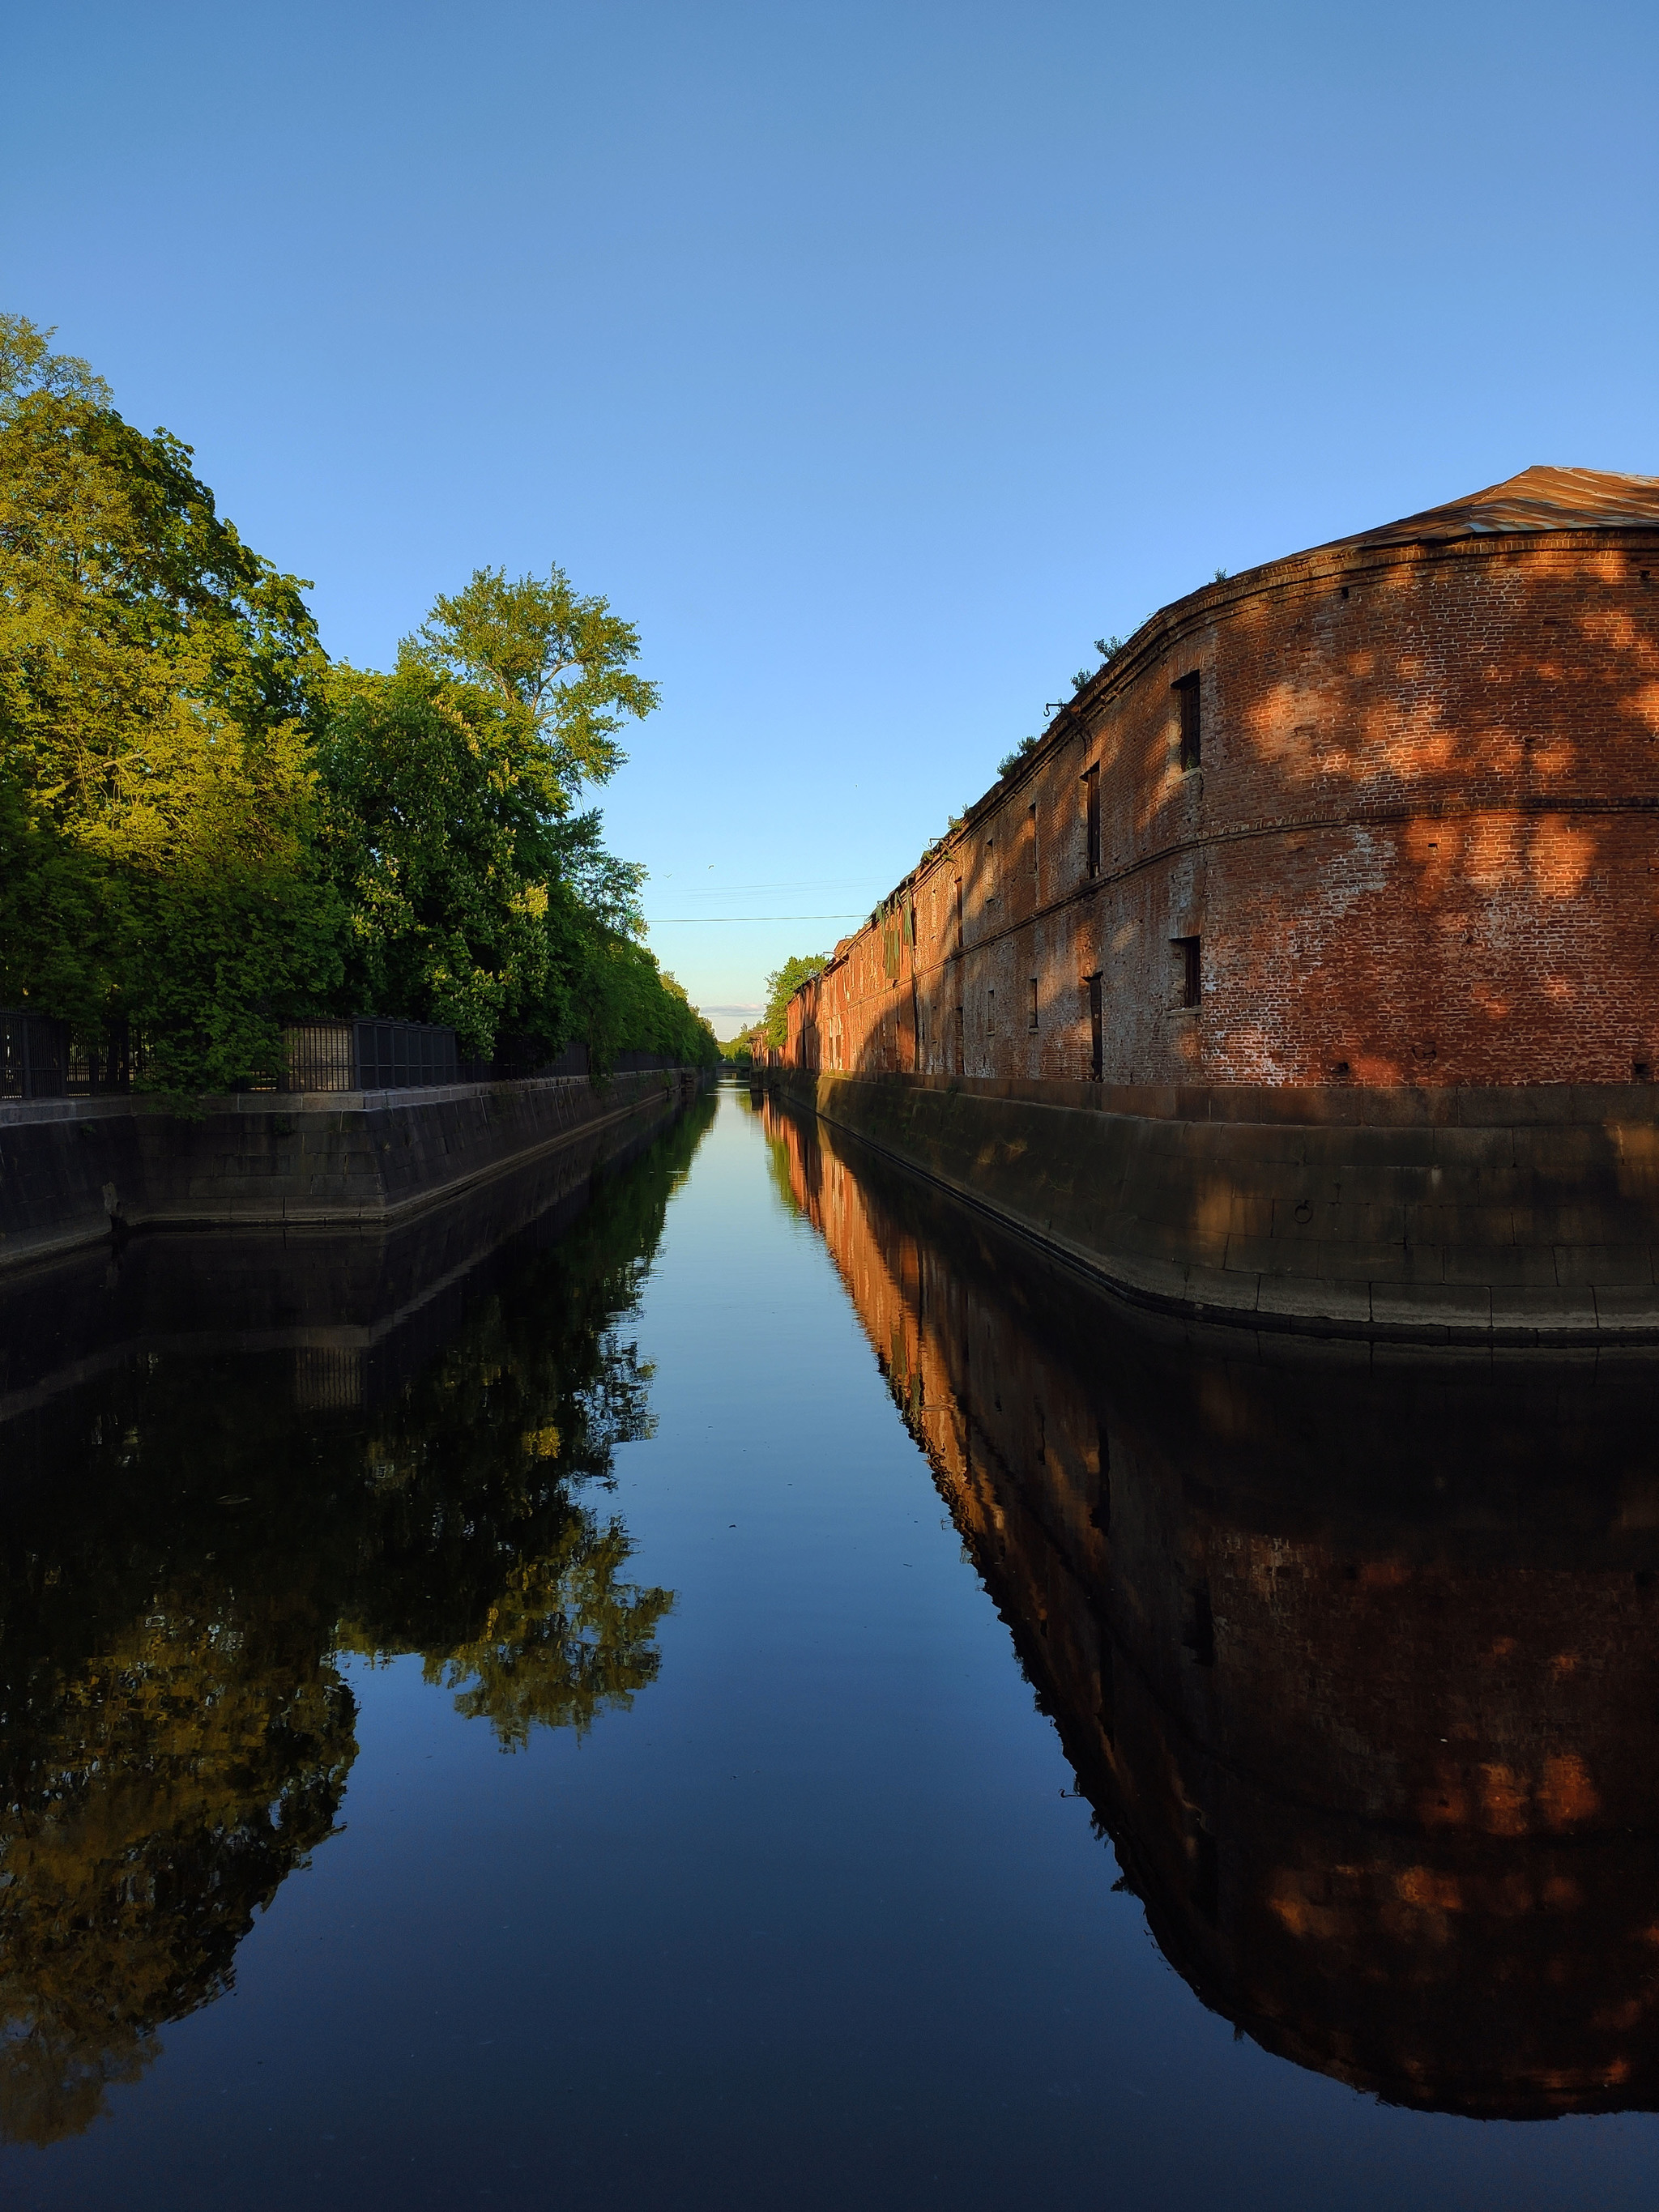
pixel 1507 1216
pixel 70 1169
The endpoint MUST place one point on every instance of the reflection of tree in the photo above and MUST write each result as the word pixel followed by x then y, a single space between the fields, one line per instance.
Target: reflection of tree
pixel 185 1769
pixel 174 1735
pixel 565 1641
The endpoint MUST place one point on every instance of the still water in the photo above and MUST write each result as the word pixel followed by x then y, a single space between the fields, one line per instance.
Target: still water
pixel 747 1691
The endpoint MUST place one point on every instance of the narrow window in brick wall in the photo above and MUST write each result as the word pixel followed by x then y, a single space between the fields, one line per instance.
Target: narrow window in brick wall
pixel 962 1045
pixel 1091 816
pixel 1190 975
pixel 1032 835
pixel 1030 1007
pixel 990 1014
pixel 1096 1029
pixel 1192 722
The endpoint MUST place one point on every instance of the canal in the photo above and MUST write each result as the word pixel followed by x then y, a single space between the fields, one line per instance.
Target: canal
pixel 747 1690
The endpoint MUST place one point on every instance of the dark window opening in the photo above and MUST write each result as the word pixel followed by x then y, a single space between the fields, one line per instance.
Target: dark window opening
pixel 1097 1030
pixel 961 1046
pixel 990 1014
pixel 1030 815
pixel 1092 816
pixel 1030 1007
pixel 1641 1071
pixel 1192 730
pixel 1189 979
pixel 1200 1639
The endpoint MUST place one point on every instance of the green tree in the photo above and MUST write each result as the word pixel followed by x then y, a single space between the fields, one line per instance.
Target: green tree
pixel 156 790
pixel 544 646
pixel 440 798
pixel 781 986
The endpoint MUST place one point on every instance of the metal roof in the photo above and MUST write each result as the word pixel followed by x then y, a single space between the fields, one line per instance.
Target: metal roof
pixel 1538 499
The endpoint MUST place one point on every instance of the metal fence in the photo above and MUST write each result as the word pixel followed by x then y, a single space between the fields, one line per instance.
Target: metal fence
pixel 40 1058
pixel 367 1056
pixel 33 1054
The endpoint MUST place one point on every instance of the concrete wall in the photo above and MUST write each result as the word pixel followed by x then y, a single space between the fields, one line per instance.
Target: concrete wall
pixel 1350 1652
pixel 69 1168
pixel 1503 1216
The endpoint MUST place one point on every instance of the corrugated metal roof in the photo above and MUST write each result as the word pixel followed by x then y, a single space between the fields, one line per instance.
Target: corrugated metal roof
pixel 1538 499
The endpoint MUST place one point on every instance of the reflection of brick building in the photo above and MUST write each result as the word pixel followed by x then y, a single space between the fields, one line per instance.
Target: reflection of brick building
pixel 1366 836
pixel 1357 1670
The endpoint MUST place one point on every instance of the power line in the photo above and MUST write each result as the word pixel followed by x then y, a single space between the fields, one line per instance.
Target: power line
pixel 657 921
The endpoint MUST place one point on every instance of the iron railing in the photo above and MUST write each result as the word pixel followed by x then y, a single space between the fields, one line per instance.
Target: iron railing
pixel 39 1058
pixel 33 1054
pixel 367 1056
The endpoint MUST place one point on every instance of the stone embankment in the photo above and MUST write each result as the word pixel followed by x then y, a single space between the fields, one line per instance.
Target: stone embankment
pixel 74 1170
pixel 1492 1216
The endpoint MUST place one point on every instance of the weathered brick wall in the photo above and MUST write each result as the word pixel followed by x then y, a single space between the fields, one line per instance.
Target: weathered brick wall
pixel 1419 847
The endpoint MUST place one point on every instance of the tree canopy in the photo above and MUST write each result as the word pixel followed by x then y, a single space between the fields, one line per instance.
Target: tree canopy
pixel 781 986
pixel 207 828
pixel 157 793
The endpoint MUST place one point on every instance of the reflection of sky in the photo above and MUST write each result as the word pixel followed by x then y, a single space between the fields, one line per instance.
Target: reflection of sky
pixel 873 360
pixel 814 1924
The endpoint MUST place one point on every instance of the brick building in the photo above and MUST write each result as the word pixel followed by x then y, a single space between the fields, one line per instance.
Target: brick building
pixel 1367 836
pixel 1380 814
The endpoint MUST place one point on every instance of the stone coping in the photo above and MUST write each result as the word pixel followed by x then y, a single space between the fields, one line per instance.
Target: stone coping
pixel 1508 1106
pixel 19 1113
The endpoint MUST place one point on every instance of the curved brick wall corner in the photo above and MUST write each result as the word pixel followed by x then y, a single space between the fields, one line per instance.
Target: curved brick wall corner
pixel 1418 854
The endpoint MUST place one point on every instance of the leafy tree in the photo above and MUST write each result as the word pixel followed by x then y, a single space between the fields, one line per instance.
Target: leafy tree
pixel 781 986
pixel 156 792
pixel 545 648
pixel 204 828
pixel 440 796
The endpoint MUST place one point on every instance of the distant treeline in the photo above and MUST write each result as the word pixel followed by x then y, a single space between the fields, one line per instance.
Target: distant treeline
pixel 208 826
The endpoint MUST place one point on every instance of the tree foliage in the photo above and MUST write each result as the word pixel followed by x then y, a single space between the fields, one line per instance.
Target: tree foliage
pixel 206 829
pixel 157 793
pixel 544 648
pixel 781 986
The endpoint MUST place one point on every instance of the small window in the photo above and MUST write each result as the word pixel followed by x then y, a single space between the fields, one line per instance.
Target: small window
pixel 1192 722
pixel 1030 1005
pixel 961 1046
pixel 1190 975
pixel 1097 1030
pixel 1092 816
pixel 990 1014
pixel 1030 816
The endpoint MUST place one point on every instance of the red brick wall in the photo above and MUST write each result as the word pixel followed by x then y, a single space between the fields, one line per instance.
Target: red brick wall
pixel 1420 847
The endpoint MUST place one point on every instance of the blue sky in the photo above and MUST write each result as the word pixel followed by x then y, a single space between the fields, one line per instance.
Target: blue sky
pixel 874 359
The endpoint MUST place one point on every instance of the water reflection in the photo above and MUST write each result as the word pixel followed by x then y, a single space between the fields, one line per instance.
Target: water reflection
pixel 1355 1659
pixel 397 1452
